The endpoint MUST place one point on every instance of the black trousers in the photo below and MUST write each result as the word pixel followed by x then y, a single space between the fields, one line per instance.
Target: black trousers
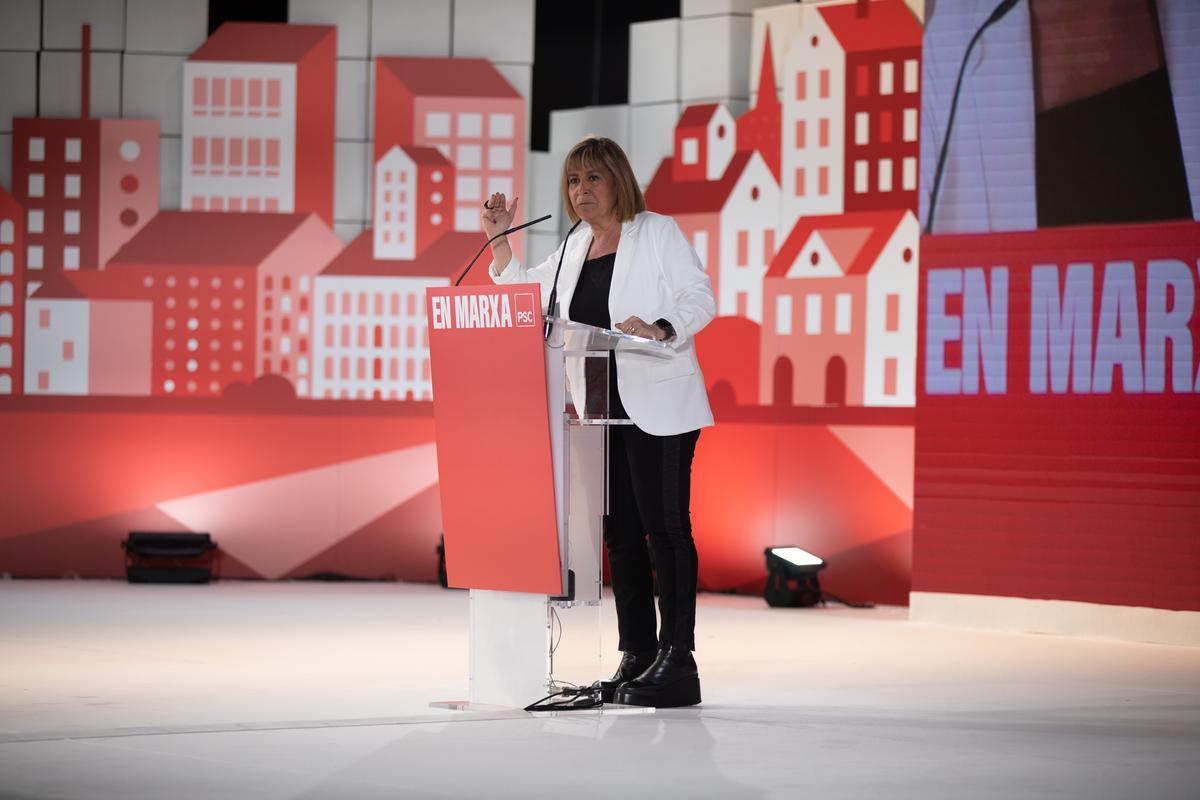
pixel 649 492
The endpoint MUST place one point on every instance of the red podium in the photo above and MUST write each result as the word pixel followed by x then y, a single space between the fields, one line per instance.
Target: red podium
pixel 521 470
pixel 495 465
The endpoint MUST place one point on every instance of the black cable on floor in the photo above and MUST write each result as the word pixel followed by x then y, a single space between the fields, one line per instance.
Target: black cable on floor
pixel 581 698
pixel 827 597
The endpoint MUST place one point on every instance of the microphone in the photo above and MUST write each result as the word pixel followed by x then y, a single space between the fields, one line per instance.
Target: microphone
pixel 554 288
pixel 998 14
pixel 513 229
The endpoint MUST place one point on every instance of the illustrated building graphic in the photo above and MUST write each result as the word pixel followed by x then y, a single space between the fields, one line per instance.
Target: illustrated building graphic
pixel 759 128
pixel 370 331
pixel 231 296
pixel 258 120
pixel 721 186
pixel 79 345
pixel 729 221
pixel 850 103
pixel 413 202
pixel 840 312
pixel 87 185
pixel 12 293
pixel 463 108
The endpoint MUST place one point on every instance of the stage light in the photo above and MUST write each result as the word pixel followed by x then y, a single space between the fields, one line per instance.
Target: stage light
pixel 170 557
pixel 792 577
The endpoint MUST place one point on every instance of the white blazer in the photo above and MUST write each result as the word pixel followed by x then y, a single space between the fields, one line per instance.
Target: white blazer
pixel 656 276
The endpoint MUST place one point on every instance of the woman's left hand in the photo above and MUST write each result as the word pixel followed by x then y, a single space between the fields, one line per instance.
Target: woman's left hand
pixel 636 326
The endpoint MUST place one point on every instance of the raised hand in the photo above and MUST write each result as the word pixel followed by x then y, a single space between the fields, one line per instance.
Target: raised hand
pixel 497 214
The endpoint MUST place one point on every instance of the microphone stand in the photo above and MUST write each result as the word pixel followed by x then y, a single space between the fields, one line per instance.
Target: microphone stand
pixel 1002 9
pixel 513 229
pixel 550 312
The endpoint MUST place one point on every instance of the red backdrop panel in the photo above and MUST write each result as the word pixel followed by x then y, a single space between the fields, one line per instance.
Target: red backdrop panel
pixel 1057 421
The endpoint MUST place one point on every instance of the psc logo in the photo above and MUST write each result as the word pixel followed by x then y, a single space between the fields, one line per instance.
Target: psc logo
pixel 526 316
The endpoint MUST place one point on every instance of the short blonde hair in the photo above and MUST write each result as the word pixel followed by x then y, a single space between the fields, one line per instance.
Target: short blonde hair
pixel 600 152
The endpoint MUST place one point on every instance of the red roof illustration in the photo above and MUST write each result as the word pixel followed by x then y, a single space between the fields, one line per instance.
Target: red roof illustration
pixel 427 156
pixel 888 24
pixel 7 199
pixel 758 128
pixel 855 239
pixel 55 286
pixel 767 90
pixel 200 238
pixel 448 77
pixel 667 196
pixel 696 116
pixel 271 42
pixel 447 257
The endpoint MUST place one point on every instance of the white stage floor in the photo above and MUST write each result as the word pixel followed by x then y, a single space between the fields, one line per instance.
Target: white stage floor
pixel 321 691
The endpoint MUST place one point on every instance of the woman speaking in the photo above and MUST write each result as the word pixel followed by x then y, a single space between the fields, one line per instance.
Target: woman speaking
pixel 633 270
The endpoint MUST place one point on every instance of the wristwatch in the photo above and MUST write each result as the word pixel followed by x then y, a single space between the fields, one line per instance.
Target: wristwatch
pixel 667 328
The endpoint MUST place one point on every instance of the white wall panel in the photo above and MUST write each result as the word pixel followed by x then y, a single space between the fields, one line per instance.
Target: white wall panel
pixel 651 137
pixel 169 180
pixel 538 247
pixel 18 89
pixel 347 231
pixel 654 61
pixel 58 92
pixel 152 89
pixel 703 8
pixel 520 76
pixel 352 82
pixel 62 21
pixel 501 31
pixel 569 126
pixel 352 18
pixel 175 27
pixel 410 28
pixel 542 193
pixel 350 181
pixel 20 25
pixel 714 57
pixel 736 106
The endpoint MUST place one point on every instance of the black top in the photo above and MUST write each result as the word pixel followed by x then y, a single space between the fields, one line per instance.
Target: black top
pixel 1114 157
pixel 589 305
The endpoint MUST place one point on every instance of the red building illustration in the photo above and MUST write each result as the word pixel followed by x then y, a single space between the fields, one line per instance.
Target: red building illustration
pixel 231 295
pixel 258 120
pixel 413 203
pixel 466 110
pixel 882 44
pixel 839 312
pixel 758 128
pixel 730 223
pixel 725 199
pixel 87 185
pixel 371 340
pixel 80 345
pixel 851 99
pixel 12 293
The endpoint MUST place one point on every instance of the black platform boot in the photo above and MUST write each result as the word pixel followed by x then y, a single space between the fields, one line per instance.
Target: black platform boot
pixel 632 665
pixel 671 681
